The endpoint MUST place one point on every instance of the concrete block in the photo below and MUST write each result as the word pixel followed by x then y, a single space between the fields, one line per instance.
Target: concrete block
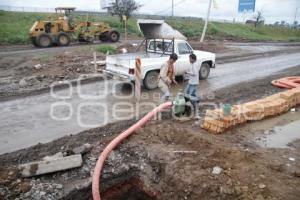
pixel 53 157
pixel 49 166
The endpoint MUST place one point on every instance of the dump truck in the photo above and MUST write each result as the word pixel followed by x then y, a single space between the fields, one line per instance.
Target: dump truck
pixel 160 41
pixel 62 30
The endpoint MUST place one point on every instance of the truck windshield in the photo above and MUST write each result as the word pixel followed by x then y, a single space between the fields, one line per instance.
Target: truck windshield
pixel 160 46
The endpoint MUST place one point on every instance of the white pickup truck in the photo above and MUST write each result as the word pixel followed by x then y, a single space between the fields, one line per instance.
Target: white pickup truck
pixel 122 65
pixel 156 53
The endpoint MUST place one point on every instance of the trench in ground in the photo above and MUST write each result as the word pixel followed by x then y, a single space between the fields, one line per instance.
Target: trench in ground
pixel 132 188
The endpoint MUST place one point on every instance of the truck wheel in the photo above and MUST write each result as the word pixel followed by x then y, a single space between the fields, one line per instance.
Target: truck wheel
pixel 104 37
pixel 150 80
pixel 114 36
pixel 204 71
pixel 63 39
pixel 44 40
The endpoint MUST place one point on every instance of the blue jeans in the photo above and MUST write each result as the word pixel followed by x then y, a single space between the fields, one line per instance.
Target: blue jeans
pixel 191 90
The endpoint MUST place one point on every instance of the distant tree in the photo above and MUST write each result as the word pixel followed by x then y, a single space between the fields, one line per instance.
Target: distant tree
pixel 295 24
pixel 258 17
pixel 282 23
pixel 276 24
pixel 287 25
pixel 124 7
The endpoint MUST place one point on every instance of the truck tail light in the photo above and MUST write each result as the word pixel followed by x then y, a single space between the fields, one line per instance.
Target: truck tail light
pixel 131 71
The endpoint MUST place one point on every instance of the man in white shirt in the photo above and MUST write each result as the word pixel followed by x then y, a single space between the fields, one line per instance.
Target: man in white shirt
pixel 193 74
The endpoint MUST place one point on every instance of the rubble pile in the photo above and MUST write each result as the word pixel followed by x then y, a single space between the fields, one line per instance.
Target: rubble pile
pixel 216 122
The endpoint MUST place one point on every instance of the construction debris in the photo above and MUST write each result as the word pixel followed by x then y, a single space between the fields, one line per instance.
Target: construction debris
pixel 82 149
pixel 216 122
pixel 217 170
pixel 53 157
pixel 99 62
pixel 51 165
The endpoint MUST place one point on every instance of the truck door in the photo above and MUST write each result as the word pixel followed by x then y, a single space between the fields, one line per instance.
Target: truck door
pixel 183 63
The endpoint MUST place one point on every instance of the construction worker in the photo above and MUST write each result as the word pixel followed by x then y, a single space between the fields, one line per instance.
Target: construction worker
pixel 193 76
pixel 167 77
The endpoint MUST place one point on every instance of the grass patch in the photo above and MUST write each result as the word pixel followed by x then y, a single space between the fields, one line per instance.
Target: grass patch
pixel 14 27
pixel 44 57
pixel 106 49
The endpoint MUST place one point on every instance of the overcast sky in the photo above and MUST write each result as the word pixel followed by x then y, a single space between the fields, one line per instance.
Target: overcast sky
pixel 274 10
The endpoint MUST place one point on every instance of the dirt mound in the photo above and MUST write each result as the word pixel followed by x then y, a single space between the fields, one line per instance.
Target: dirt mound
pixel 187 162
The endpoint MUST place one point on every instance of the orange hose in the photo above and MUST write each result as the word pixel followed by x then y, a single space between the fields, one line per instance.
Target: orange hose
pixel 115 142
pixel 287 82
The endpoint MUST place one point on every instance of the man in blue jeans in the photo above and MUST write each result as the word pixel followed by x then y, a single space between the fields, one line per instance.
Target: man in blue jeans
pixel 193 74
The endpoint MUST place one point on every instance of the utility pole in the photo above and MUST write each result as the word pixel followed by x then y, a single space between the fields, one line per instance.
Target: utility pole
pixel 206 21
pixel 296 15
pixel 172 8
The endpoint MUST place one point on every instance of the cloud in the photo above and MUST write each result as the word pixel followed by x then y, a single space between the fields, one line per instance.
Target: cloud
pixel 274 10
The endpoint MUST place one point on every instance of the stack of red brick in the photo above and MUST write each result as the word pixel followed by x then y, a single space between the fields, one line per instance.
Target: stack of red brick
pixel 215 122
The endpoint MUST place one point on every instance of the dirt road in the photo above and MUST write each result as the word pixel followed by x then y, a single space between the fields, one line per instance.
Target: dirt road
pixel 31 71
pixel 28 121
pixel 172 159
pixel 166 159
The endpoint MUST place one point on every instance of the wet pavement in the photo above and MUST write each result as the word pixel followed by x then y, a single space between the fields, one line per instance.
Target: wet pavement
pixel 280 136
pixel 38 119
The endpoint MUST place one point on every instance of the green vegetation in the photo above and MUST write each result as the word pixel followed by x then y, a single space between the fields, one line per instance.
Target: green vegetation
pixel 218 30
pixel 106 49
pixel 44 57
pixel 15 26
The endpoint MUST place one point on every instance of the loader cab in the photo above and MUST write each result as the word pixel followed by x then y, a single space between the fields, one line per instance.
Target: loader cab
pixel 64 10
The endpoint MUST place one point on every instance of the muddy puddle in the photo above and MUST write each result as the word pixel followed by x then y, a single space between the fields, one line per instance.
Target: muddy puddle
pixel 280 135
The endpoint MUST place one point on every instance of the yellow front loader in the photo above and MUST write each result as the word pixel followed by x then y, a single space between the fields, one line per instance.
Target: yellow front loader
pixel 62 31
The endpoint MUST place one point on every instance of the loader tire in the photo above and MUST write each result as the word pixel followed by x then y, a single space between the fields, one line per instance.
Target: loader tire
pixel 63 39
pixel 44 40
pixel 33 41
pixel 114 36
pixel 104 37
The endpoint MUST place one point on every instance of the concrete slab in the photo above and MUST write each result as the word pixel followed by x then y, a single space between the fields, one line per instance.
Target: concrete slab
pixel 49 166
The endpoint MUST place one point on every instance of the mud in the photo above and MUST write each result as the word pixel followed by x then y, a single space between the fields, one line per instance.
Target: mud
pixel 170 159
pixel 281 132
pixel 211 46
pixel 29 71
pixel 167 159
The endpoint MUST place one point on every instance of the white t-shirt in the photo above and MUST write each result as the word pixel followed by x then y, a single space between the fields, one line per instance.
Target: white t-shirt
pixel 193 73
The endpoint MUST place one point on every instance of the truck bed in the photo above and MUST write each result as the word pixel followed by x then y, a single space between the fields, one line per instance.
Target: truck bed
pixel 121 63
pixel 133 56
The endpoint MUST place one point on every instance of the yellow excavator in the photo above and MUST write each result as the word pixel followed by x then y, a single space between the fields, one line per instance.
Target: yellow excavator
pixel 63 30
